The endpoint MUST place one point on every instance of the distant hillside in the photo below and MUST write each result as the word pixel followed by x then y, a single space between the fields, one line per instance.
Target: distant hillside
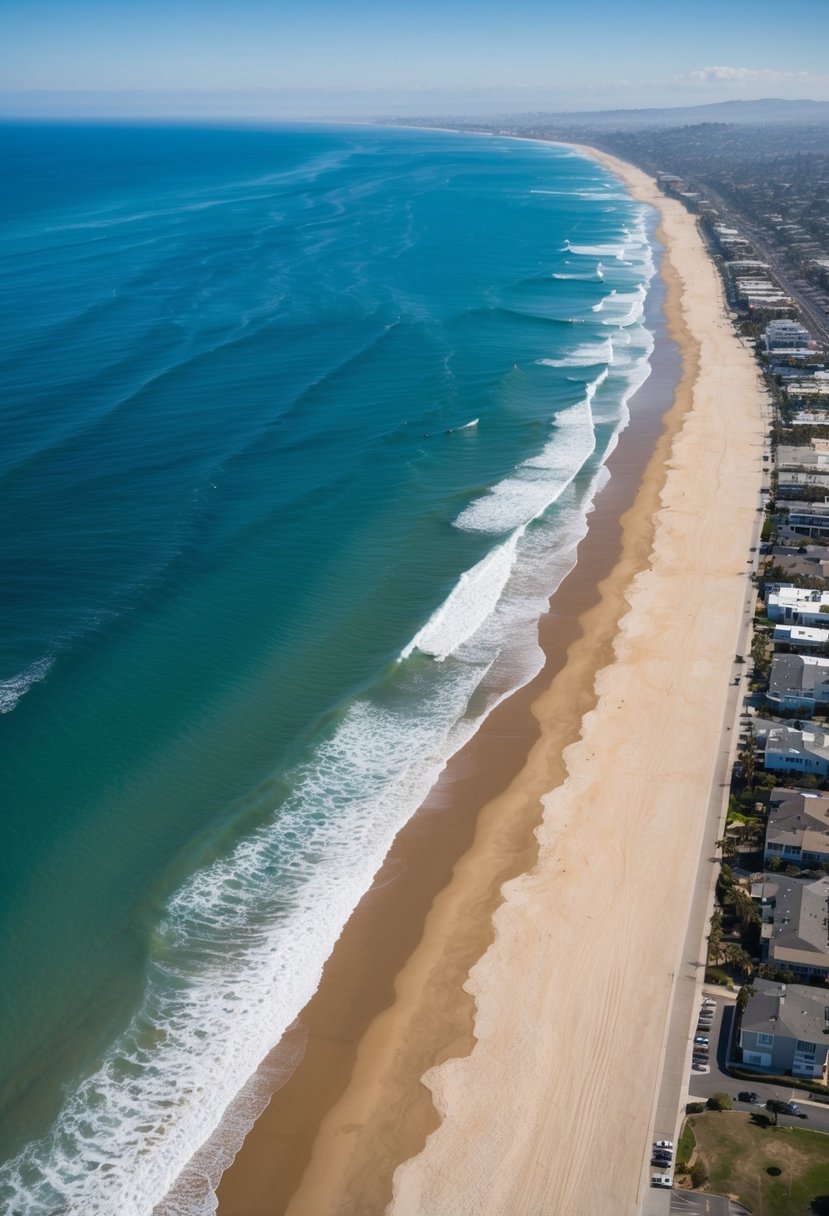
pixel 770 111
pixel 749 113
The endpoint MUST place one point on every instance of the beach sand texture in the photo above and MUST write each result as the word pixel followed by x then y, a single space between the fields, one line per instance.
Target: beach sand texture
pixel 548 1056
pixel 551 1109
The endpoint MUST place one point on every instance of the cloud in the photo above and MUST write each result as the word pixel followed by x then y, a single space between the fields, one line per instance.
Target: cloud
pixel 728 75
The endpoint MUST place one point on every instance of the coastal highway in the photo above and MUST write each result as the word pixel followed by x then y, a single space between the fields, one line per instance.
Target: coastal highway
pixel 672 1092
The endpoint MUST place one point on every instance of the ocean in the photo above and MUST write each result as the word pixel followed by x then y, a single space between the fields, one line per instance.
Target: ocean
pixel 301 428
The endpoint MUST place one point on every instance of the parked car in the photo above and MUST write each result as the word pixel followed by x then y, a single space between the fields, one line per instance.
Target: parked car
pixel 664 1144
pixel 745 1096
pixel 663 1162
pixel 708 1000
pixel 701 1038
pixel 700 1066
pixel 661 1180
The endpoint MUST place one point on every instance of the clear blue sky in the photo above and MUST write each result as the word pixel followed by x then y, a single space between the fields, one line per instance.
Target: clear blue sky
pixel 357 56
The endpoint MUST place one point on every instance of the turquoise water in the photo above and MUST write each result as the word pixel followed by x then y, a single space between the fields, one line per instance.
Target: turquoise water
pixel 301 427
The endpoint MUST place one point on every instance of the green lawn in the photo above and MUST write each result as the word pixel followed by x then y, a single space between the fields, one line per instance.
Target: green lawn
pixel 738 1155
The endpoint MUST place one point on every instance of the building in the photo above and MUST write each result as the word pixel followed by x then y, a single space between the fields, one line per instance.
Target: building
pixel 789 337
pixel 794 933
pixel 797 830
pixel 798 682
pixel 785 1030
pixel 788 750
pixel 803 637
pixel 803 521
pixel 797 605
pixel 792 483
pixel 806 457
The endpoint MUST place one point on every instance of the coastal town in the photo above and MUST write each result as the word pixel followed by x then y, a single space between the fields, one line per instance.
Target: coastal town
pixel 760 1042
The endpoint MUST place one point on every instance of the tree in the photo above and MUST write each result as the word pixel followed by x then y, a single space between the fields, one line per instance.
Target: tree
pixel 775 1107
pixel 748 756
pixel 715 937
pixel 736 956
pixel 743 997
pixel 727 846
pixel 719 1101
pixel 745 909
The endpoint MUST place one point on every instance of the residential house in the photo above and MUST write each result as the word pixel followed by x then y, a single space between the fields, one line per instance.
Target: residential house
pixel 797 829
pixel 797 605
pixel 802 636
pixel 794 933
pixel 794 750
pixel 785 1030
pixel 798 682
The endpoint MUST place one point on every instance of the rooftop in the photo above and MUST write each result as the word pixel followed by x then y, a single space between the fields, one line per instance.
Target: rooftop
pixel 800 819
pixel 788 1009
pixel 797 929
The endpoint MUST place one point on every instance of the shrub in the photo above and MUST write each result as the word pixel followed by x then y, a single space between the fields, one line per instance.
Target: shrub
pixel 694 1108
pixel 719 1101
pixel 699 1174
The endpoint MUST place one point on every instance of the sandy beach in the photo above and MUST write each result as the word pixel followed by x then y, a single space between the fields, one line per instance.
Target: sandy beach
pixel 495 1012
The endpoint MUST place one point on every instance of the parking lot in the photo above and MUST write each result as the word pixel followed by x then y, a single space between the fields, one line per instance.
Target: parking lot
pixel 702 1086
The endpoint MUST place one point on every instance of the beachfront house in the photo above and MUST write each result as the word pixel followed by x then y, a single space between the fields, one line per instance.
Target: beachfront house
pixel 804 637
pixel 791 750
pixel 793 930
pixel 800 522
pixel 798 682
pixel 785 1030
pixel 798 605
pixel 787 337
pixel 797 830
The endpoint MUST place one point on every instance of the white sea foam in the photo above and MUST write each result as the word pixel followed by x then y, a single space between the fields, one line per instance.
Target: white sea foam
pixel 15 687
pixel 597 251
pixel 625 308
pixel 539 481
pixel 238 954
pixel 583 356
pixel 591 277
pixel 600 306
pixel 468 605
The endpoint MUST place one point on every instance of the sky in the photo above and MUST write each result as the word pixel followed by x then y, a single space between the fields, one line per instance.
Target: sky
pixel 356 57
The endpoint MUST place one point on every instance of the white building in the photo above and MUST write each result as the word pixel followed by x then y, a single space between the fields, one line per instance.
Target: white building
pixel 797 751
pixel 798 682
pixel 798 606
pixel 784 337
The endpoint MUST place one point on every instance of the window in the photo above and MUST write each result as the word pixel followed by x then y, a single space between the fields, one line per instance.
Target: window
pixel 806 1049
pixel 765 1040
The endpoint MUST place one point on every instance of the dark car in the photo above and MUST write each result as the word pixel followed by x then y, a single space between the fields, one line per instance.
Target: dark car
pixel 661 1160
pixel 745 1096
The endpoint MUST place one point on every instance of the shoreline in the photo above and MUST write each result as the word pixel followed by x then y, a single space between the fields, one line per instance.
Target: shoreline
pixel 304 1155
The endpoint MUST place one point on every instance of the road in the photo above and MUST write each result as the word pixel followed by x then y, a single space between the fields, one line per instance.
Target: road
pixel 812 316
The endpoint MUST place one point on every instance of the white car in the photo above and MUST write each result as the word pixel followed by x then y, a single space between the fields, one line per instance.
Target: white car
pixel 708 1001
pixel 660 1180
pixel 663 1144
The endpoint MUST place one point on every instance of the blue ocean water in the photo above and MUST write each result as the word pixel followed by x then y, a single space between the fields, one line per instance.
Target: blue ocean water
pixel 301 427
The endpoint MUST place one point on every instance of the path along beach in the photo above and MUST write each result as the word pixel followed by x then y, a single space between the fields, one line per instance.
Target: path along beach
pixel 495 1008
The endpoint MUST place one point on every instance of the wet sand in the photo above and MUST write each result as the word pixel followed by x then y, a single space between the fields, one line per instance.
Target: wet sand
pixel 392 1003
